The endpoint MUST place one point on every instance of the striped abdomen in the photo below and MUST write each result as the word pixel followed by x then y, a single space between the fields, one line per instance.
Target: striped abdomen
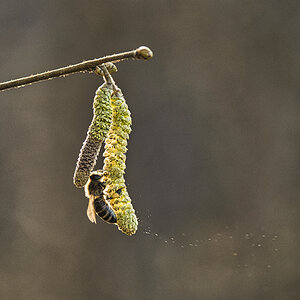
pixel 104 211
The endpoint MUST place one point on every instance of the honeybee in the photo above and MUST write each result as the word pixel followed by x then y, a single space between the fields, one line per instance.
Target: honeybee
pixel 97 204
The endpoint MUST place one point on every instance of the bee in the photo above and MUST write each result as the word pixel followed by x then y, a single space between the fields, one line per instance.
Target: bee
pixel 97 204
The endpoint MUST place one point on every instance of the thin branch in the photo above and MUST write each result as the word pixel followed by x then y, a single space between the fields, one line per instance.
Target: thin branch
pixel 89 65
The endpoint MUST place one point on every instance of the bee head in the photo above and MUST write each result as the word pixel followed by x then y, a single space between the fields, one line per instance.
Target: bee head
pixel 95 177
pixel 94 186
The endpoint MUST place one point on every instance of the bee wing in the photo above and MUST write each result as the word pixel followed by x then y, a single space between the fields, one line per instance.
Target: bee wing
pixel 91 210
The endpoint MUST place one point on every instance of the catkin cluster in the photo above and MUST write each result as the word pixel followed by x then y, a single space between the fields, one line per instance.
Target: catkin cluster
pixel 111 123
pixel 97 133
pixel 114 165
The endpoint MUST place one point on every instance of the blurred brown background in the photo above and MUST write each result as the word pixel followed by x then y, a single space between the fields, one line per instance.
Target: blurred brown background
pixel 213 164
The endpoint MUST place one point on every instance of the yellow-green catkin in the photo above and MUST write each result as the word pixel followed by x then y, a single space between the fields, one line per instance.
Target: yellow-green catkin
pixel 114 165
pixel 96 134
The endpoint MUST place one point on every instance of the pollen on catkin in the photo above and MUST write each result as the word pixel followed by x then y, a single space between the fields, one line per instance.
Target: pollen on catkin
pixel 97 132
pixel 114 165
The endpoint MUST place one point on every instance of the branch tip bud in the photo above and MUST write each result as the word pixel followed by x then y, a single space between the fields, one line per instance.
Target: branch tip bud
pixel 143 52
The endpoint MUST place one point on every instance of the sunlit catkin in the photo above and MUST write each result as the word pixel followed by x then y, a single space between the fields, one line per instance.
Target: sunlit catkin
pixel 97 133
pixel 114 165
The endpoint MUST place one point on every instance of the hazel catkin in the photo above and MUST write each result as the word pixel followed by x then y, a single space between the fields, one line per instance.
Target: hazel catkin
pixel 97 132
pixel 114 165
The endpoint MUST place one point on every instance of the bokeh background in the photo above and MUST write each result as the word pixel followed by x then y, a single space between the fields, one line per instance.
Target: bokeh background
pixel 213 164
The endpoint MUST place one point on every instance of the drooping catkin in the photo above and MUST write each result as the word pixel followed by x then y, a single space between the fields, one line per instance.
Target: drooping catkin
pixel 96 134
pixel 114 165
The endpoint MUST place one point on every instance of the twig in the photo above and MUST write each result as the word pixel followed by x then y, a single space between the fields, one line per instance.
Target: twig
pixel 89 65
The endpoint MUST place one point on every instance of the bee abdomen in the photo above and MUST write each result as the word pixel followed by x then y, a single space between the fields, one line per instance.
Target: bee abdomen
pixel 104 211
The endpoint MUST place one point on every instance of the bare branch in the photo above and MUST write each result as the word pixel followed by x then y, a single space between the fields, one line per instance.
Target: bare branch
pixel 86 66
